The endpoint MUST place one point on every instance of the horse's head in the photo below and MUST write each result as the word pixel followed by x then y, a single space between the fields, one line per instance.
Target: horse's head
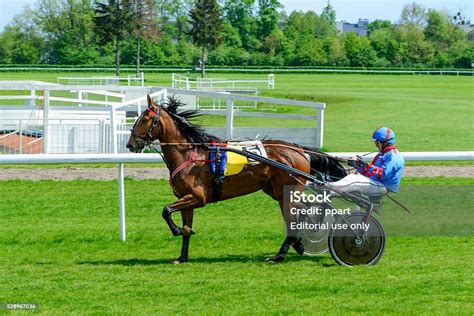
pixel 145 130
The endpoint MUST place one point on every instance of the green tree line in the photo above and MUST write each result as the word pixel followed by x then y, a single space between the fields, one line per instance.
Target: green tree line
pixel 244 33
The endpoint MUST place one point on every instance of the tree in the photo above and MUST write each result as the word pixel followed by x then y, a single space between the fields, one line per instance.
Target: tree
pixel 413 49
pixel 239 14
pixel 359 51
pixel 414 14
pixel 384 43
pixel 21 41
pixel 379 24
pixel 113 21
pixel 437 28
pixel 68 30
pixel 328 21
pixel 206 27
pixel 144 26
pixel 336 54
pixel 268 17
pixel 172 17
pixel 447 38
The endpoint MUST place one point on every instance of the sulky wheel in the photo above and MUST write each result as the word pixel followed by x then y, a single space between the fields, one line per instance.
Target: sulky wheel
pixel 315 241
pixel 350 245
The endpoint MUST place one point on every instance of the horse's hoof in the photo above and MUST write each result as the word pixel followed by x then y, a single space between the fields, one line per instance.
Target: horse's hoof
pixel 179 261
pixel 299 248
pixel 187 231
pixel 275 259
pixel 177 231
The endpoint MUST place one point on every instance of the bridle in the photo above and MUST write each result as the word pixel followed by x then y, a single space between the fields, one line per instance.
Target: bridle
pixel 144 142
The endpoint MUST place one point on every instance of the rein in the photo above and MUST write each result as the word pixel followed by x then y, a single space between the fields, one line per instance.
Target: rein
pixel 265 145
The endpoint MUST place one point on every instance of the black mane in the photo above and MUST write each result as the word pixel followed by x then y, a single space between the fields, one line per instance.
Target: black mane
pixel 194 133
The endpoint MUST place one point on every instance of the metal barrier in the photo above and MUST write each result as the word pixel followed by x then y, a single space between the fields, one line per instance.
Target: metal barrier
pixel 73 136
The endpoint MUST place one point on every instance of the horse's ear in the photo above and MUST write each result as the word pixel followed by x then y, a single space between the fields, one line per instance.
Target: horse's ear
pixel 149 100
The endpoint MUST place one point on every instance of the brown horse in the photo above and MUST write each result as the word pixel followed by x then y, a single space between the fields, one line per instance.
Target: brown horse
pixel 186 152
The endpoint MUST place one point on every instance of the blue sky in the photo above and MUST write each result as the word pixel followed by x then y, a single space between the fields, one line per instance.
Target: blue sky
pixel 348 10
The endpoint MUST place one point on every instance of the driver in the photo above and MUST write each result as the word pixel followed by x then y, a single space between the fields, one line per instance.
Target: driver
pixel 379 177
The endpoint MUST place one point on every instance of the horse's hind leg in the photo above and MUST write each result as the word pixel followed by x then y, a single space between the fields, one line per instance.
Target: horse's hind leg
pixel 291 240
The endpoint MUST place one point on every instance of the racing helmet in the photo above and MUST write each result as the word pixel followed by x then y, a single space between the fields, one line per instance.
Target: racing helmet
pixel 384 134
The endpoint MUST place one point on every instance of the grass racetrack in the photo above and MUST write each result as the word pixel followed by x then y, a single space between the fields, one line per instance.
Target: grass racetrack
pixel 60 244
pixel 60 249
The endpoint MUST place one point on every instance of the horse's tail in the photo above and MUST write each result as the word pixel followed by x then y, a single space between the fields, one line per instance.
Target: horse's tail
pixel 324 164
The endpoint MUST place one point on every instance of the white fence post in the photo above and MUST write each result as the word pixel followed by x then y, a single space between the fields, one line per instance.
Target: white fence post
pixel 113 129
pixel 102 137
pixel 21 137
pixel 320 126
pixel 271 82
pixel 33 97
pixel 165 94
pixel 230 119
pixel 45 120
pixel 79 97
pixel 121 202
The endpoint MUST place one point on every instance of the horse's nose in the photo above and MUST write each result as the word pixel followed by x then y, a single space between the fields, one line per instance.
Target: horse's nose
pixel 129 147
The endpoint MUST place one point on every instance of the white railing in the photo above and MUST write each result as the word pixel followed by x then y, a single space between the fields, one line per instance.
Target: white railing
pixel 76 97
pixel 131 80
pixel 120 159
pixel 416 156
pixel 89 101
pixel 209 84
pixel 49 94
pixel 245 87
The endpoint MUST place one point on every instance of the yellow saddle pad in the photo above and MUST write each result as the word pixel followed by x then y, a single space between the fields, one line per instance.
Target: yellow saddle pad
pixel 236 162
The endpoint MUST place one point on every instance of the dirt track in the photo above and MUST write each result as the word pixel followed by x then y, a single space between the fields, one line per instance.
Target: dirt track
pixel 161 173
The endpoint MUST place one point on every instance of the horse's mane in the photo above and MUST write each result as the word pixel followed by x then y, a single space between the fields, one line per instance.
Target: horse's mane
pixel 326 164
pixel 193 132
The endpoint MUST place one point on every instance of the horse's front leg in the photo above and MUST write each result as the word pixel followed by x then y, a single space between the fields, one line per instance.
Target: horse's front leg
pixel 187 217
pixel 186 202
pixel 293 238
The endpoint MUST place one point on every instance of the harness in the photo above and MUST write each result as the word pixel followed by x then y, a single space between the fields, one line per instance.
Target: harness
pixel 217 156
pixel 216 168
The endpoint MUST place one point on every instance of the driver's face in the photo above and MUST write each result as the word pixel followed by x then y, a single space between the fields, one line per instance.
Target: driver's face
pixel 378 145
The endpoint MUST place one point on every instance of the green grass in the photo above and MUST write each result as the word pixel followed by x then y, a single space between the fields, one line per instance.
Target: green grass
pixel 428 113
pixel 60 249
